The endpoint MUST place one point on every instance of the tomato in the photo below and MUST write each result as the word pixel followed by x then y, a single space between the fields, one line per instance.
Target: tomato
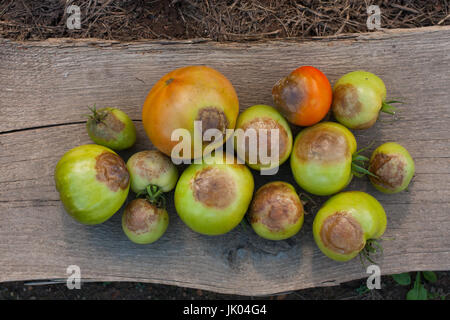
pixel 93 183
pixel 321 159
pixel 358 98
pixel 151 167
pixel 185 95
pixel 262 119
pixel 213 197
pixel 112 128
pixel 393 166
pixel 143 222
pixel 304 96
pixel 345 223
pixel 276 212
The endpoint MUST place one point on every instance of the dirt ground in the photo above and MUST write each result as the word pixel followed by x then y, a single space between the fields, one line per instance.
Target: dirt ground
pixel 353 290
pixel 217 20
pixel 235 20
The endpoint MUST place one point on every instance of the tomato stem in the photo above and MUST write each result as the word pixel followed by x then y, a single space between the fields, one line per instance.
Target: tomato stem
pixel 154 195
pixel 359 164
pixel 96 116
pixel 388 108
pixel 372 247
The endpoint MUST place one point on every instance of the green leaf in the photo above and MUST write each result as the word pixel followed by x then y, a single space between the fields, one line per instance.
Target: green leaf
pixel 430 276
pixel 403 279
pixel 418 292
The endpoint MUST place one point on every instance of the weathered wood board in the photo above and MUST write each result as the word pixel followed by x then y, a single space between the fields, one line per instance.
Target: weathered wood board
pixel 46 86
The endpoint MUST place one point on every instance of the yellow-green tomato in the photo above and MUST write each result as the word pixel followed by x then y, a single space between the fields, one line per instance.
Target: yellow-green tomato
pixel 151 167
pixel 345 222
pixel 321 159
pixel 276 212
pixel 393 166
pixel 93 183
pixel 260 124
pixel 213 197
pixel 144 222
pixel 358 98
pixel 112 128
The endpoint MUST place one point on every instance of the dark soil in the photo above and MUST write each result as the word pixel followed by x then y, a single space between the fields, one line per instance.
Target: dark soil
pixel 236 20
pixel 219 20
pixel 353 290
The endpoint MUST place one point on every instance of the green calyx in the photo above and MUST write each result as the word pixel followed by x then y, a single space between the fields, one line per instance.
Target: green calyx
pixel 359 164
pixel 153 194
pixel 386 107
pixel 372 248
pixel 97 116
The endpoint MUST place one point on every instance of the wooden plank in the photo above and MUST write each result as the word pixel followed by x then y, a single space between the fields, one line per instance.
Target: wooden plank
pixel 47 85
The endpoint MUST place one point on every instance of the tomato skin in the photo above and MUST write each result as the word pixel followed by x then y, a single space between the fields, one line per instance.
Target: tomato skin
pixel 321 158
pixel 394 166
pixel 304 96
pixel 276 212
pixel 207 217
pixel 87 199
pixel 358 97
pixel 116 131
pixel 151 167
pixel 367 215
pixel 265 117
pixel 177 100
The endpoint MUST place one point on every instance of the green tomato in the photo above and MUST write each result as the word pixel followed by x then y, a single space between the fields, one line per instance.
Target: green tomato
pixel 144 222
pixel 345 222
pixel 321 159
pixel 251 122
pixel 112 128
pixel 276 212
pixel 393 166
pixel 93 183
pixel 213 197
pixel 151 167
pixel 358 98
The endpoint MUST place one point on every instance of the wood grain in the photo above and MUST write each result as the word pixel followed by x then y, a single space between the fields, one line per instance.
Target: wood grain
pixel 46 87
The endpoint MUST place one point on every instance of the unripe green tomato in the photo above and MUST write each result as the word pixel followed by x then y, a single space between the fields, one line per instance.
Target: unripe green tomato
pixel 151 167
pixel 321 159
pixel 212 198
pixel 393 166
pixel 345 222
pixel 143 222
pixel 276 212
pixel 258 118
pixel 93 183
pixel 112 128
pixel 358 98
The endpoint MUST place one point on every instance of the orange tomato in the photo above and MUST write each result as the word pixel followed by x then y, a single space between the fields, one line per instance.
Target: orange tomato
pixel 183 96
pixel 304 96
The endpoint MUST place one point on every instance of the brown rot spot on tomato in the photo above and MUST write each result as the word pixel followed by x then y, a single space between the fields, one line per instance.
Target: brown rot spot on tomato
pixel 275 206
pixel 212 118
pixel 342 233
pixel 345 101
pixel 390 170
pixel 214 188
pixel 160 164
pixel 112 171
pixel 267 124
pixel 288 95
pixel 106 125
pixel 324 145
pixel 139 215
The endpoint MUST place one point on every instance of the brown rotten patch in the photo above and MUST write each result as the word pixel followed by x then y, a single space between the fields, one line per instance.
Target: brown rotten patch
pixel 268 124
pixel 275 206
pixel 151 164
pixel 213 188
pixel 342 233
pixel 212 118
pixel 324 145
pixel 288 95
pixel 389 169
pixel 107 126
pixel 139 216
pixel 112 171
